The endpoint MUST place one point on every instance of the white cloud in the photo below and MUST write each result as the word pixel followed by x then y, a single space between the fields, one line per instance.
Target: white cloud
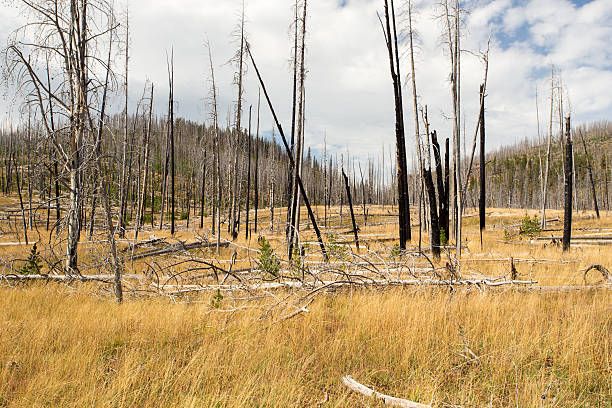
pixel 349 94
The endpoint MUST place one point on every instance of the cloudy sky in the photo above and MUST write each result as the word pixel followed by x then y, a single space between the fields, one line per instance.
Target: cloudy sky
pixel 349 96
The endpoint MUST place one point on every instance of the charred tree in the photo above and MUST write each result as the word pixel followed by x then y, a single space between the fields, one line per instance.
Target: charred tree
pixel 590 170
pixel 567 219
pixel 350 201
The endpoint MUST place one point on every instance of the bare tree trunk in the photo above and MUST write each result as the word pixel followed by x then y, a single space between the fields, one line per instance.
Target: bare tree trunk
pixel 238 129
pixel 348 196
pixel 291 160
pixel 172 169
pixel 257 162
pixel 567 219
pixel 590 170
pixel 248 192
pixel 124 164
pixel 23 216
pixel 548 152
pixel 294 220
pixel 402 176
pixel 482 201
pixel 147 142
pixel 203 194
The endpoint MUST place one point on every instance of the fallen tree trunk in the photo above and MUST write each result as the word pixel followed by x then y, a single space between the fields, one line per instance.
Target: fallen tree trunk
pixel 364 282
pixel 176 248
pixel 386 399
pixel 67 278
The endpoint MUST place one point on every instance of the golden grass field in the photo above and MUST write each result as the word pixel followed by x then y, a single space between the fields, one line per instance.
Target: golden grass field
pixel 73 346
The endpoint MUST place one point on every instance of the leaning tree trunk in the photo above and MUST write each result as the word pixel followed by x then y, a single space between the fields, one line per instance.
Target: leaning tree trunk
pixel 348 195
pixel 567 220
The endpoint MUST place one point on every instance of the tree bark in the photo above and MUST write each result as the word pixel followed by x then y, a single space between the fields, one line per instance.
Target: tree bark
pixel 590 169
pixel 567 219
pixel 348 195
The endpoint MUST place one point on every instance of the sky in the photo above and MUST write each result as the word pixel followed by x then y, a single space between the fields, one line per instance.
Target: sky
pixel 349 94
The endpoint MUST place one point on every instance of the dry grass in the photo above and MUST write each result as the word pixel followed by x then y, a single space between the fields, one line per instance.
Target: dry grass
pixel 69 346
pixel 71 349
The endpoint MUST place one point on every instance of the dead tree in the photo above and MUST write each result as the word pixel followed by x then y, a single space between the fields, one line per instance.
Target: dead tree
pixel 71 37
pixel 350 200
pixel 400 139
pixel 248 192
pixel 567 219
pixel 257 162
pixel 217 144
pixel 171 125
pixel 482 201
pixel 290 156
pixel 590 170
pixel 147 143
pixel 434 233
pixel 548 151
pixel 294 219
pixel 124 161
pixel 237 126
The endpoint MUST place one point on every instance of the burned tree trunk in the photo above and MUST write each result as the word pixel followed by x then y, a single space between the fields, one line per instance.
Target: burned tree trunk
pixel 402 176
pixel 248 191
pixel 172 173
pixel 350 200
pixel 567 219
pixel 256 181
pixel 590 169
pixel 291 159
pixel 482 201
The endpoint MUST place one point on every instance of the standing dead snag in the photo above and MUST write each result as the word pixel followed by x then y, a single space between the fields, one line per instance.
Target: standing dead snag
pixel 590 170
pixel 402 170
pixel 567 219
pixel 483 198
pixel 147 143
pixel 235 214
pixel 171 135
pixel 313 220
pixel 72 37
pixel 299 148
pixel 248 192
pixel 348 195
pixel 434 235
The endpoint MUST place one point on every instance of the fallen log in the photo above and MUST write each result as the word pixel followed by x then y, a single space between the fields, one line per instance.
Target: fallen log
pixel 66 278
pixel 592 238
pixel 386 399
pixel 176 248
pixel 181 289
pixel 606 273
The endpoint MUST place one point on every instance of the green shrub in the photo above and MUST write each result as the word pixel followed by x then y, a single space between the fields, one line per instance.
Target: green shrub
pixel 443 238
pixel 268 261
pixel 33 265
pixel 335 248
pixel 530 226
pixel 215 301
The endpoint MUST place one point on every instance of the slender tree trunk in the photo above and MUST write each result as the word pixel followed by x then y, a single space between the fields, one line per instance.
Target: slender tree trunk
pixel 291 160
pixel 257 162
pixel 147 142
pixel 590 170
pixel 482 201
pixel 402 177
pixel 124 164
pixel 294 224
pixel 348 196
pixel 248 192
pixel 172 169
pixel 567 219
